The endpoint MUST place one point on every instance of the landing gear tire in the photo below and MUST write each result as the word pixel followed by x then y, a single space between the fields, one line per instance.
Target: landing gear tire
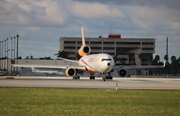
pixel 92 77
pixel 109 77
pixel 76 77
pixel 104 79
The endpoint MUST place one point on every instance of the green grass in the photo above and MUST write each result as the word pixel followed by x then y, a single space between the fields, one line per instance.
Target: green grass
pixel 88 102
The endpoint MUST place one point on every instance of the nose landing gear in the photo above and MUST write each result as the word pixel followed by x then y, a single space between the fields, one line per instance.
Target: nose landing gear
pixel 107 77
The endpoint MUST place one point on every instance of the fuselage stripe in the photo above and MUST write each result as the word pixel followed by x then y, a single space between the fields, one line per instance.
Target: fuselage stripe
pixel 86 63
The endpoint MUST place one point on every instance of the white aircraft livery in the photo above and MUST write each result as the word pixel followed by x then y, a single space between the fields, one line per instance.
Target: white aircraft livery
pixel 91 63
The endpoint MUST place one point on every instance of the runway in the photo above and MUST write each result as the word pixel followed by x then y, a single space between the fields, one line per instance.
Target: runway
pixel 84 82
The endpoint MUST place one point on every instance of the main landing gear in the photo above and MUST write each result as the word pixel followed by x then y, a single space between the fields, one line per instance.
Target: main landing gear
pixel 92 76
pixel 107 77
pixel 76 77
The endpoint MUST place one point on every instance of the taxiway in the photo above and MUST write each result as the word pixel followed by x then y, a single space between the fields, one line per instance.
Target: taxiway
pixel 84 82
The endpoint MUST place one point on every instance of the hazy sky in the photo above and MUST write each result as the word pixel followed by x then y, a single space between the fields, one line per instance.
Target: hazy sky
pixel 40 23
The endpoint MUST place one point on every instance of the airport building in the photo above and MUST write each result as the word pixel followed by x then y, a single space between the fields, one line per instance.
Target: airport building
pixel 128 50
pixel 131 50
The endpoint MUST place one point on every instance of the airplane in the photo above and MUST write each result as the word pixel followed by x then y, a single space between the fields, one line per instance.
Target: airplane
pixel 101 63
pixel 48 72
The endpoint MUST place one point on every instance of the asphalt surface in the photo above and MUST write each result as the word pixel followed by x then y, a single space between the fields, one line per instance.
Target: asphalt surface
pixel 84 82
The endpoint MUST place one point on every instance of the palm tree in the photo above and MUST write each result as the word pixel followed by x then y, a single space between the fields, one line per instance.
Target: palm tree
pixel 166 57
pixel 122 60
pixel 157 58
pixel 115 58
pixel 173 59
pixel 62 54
pixel 150 58
pixel 179 62
pixel 174 63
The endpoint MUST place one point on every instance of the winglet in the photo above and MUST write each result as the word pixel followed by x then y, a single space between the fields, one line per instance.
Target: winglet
pixel 82 34
pixel 33 69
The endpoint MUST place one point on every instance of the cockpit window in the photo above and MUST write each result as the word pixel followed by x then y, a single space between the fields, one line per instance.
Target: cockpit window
pixel 104 59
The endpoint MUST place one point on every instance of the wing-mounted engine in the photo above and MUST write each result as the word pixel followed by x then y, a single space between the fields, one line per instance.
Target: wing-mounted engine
pixel 70 72
pixel 84 50
pixel 122 72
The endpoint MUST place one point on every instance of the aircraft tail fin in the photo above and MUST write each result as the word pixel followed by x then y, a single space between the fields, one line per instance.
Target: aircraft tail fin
pixel 82 34
pixel 84 49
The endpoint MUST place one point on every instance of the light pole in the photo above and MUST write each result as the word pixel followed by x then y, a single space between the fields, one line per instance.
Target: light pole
pixel 14 53
pixel 7 54
pixel 2 56
pixel 4 52
pixel 17 49
pixel 11 52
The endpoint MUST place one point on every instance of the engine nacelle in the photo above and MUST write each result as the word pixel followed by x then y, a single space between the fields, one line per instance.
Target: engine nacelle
pixel 84 50
pixel 70 72
pixel 122 72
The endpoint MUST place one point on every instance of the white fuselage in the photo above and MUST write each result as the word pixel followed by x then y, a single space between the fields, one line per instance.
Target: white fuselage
pixel 101 63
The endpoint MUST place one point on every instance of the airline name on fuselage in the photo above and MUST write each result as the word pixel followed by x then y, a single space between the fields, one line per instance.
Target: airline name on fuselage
pixel 93 59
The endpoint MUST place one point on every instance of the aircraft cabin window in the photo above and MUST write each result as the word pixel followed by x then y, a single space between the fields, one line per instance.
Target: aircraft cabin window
pixel 104 59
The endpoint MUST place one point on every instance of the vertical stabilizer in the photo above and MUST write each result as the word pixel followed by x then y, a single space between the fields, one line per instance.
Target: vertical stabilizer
pixel 82 33
pixel 84 50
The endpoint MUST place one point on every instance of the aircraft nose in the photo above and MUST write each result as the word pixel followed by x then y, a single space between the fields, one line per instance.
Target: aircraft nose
pixel 108 64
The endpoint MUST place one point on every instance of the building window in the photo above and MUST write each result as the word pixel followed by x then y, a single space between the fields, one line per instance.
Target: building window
pixel 94 52
pixel 110 53
pixel 121 51
pixel 147 48
pixel 95 42
pixel 80 42
pixel 147 43
pixel 128 43
pixel 108 42
pixel 108 48
pixel 69 47
pixel 69 42
pixel 96 48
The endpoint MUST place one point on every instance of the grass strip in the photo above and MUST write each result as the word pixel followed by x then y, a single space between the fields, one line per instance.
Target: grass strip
pixel 88 102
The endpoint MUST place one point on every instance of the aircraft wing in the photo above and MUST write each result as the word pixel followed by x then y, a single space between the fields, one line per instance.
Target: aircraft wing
pixel 50 66
pixel 128 67
pixel 75 61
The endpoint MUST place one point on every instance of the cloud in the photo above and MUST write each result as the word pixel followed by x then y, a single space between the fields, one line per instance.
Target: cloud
pixel 41 23
pixel 31 13
pixel 93 10
pixel 175 4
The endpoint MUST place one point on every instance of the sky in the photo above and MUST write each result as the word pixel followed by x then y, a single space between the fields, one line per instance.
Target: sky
pixel 40 23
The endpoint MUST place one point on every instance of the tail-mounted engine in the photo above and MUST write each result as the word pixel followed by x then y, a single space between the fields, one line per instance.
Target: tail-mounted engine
pixel 122 72
pixel 84 50
pixel 70 72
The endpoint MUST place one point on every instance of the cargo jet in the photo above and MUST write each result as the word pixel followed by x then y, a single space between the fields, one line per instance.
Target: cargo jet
pixel 91 63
